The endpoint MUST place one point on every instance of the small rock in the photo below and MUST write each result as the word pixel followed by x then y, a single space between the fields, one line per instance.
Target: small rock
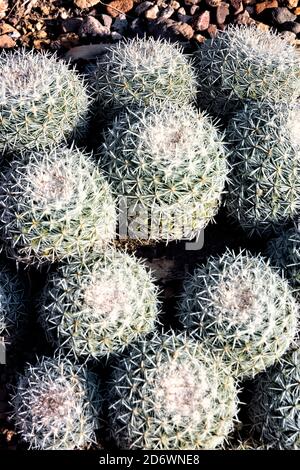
pixel 288 3
pixel 283 15
pixel 262 26
pixel 167 12
pixel 71 25
pixel 116 36
pixel 12 32
pixel 194 9
pixel 181 11
pixel 174 4
pixel 288 36
pixel 86 3
pixel 292 26
pixel 199 38
pixel 106 20
pixel 237 5
pixel 297 11
pixel 260 7
pixel 116 7
pixel 6 42
pixel 213 3
pixel 212 31
pixel 92 27
pixel 222 12
pixel 120 25
pixel 201 22
pixel 191 2
pixel 170 29
pixel 3 8
pixel 152 13
pixel 244 19
pixel 142 7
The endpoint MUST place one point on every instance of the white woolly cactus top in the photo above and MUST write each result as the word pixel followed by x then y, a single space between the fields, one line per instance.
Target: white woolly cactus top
pixel 143 71
pixel 55 205
pixel 241 308
pixel 167 393
pixel 42 101
pixel 97 306
pixel 55 405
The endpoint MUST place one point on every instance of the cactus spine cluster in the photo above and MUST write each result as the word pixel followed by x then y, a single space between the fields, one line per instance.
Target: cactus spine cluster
pixel 98 306
pixel 246 63
pixel 12 305
pixel 240 308
pixel 56 405
pixel 55 204
pixel 275 405
pixel 140 72
pixel 167 394
pixel 264 189
pixel 42 101
pixel 169 163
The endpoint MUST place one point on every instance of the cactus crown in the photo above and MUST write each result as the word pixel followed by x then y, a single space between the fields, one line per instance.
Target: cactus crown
pixel 142 71
pixel 167 394
pixel 53 212
pixel 240 308
pixel 98 306
pixel 168 161
pixel 274 409
pixel 37 112
pixel 56 405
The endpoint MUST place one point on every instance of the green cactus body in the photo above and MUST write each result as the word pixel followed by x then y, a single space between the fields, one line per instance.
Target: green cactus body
pixel 169 163
pixel 139 72
pixel 56 405
pixel 167 394
pixel 12 306
pixel 55 205
pixel 274 409
pixel 97 307
pixel 240 308
pixel 246 63
pixel 42 101
pixel 264 189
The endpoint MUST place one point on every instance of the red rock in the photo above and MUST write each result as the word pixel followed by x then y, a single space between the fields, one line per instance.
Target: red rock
pixel 6 42
pixel 199 38
pixel 237 5
pixel 212 31
pixel 3 8
pixel 116 7
pixel 201 22
pixel 244 18
pixel 297 11
pixel 260 7
pixel 86 3
pixel 222 12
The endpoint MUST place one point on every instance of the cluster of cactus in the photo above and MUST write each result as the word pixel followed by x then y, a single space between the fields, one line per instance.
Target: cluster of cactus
pixel 274 408
pixel 98 306
pixel 169 163
pixel 42 101
pixel 55 205
pixel 166 393
pixel 141 72
pixel 264 189
pixel 56 405
pixel 13 306
pixel 246 63
pixel 240 308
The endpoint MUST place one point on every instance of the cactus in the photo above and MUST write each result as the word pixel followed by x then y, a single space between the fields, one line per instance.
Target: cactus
pixel 169 163
pixel 167 394
pixel 98 306
pixel 240 308
pixel 56 405
pixel 12 306
pixel 42 101
pixel 284 252
pixel 264 189
pixel 246 63
pixel 139 72
pixel 274 408
pixel 55 204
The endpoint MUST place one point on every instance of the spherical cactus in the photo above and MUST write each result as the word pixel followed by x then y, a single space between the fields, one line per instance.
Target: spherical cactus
pixel 284 252
pixel 264 190
pixel 240 308
pixel 12 306
pixel 55 204
pixel 168 394
pixel 246 63
pixel 142 71
pixel 169 163
pixel 275 405
pixel 56 405
pixel 99 306
pixel 42 101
